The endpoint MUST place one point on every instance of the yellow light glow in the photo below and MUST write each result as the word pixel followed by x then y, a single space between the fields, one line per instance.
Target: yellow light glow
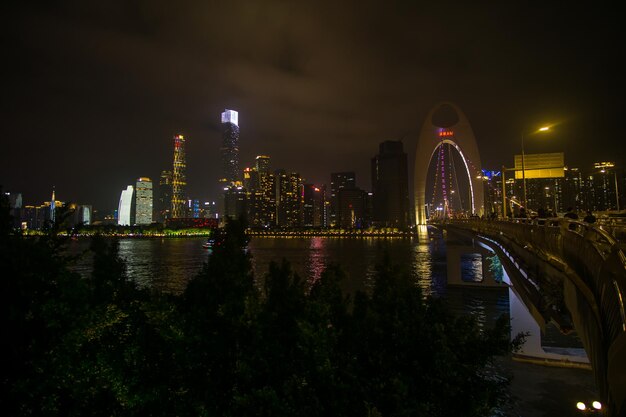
pixel 581 406
pixel 596 405
pixel 545 128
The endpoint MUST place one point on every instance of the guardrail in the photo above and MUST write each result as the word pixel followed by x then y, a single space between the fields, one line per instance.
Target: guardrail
pixel 598 260
pixel 591 251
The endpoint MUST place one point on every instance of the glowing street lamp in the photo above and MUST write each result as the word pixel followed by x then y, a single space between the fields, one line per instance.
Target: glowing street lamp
pixel 541 129
pixel 596 407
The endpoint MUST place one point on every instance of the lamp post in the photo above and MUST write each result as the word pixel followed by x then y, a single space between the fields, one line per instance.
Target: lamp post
pixel 541 129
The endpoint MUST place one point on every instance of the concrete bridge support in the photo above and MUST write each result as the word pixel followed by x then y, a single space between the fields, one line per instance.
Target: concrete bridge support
pixel 455 256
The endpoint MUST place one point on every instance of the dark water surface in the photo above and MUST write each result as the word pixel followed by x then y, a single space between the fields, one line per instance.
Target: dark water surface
pixel 168 264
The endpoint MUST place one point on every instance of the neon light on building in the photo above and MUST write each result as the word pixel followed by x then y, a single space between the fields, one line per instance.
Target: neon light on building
pixel 230 116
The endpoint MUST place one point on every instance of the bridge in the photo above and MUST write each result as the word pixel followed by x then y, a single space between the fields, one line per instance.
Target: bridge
pixel 567 272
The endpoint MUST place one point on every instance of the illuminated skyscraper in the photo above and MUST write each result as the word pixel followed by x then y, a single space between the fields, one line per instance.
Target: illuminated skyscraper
pixel 230 147
pixel 263 164
pixel 124 211
pixel 143 201
pixel 260 186
pixel 288 198
pixel 179 179
pixel 164 201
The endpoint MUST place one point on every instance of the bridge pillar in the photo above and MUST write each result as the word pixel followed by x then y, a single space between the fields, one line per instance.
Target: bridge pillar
pixel 457 253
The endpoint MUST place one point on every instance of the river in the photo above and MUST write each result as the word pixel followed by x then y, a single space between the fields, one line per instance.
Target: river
pixel 169 263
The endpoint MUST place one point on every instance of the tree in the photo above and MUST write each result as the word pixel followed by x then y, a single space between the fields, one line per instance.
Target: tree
pixel 229 345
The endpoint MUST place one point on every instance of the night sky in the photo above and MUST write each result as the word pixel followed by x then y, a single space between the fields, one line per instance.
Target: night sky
pixel 94 91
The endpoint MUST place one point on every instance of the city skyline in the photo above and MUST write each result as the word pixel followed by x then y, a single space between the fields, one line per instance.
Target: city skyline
pixel 96 88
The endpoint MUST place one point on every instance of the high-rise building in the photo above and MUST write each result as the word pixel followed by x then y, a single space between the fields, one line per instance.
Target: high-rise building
pixel 573 186
pixel 194 208
pixel 339 181
pixel 78 215
pixel 351 208
pixel 265 193
pixel 125 208
pixel 260 186
pixel 235 202
pixel 143 201
pixel 164 200
pixel 313 205
pixel 263 164
pixel 230 147
pixel 603 187
pixel 15 207
pixel 288 198
pixel 179 179
pixel 390 185
pixel 84 214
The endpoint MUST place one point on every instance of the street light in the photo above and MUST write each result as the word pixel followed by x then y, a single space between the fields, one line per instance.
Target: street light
pixel 596 407
pixel 541 129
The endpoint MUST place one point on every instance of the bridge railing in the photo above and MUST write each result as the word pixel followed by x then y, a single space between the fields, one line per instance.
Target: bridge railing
pixel 599 264
pixel 589 250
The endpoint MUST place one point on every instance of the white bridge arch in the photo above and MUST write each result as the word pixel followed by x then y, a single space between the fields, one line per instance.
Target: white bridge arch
pixel 463 140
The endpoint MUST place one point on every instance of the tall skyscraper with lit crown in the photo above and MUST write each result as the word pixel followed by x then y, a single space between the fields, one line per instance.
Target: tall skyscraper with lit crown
pixel 179 179
pixel 230 147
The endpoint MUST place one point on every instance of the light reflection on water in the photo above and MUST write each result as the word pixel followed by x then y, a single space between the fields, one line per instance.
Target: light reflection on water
pixel 169 264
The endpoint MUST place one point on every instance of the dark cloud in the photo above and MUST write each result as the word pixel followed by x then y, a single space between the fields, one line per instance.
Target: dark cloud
pixel 96 90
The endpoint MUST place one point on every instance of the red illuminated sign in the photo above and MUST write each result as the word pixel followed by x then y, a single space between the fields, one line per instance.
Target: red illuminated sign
pixel 445 133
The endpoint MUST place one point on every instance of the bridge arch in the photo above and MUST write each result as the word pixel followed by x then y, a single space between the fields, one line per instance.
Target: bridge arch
pixel 458 134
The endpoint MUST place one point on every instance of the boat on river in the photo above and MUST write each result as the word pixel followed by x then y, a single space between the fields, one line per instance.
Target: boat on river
pixel 212 242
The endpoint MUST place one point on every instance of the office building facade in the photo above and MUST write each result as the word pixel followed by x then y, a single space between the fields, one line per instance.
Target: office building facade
pixel 338 181
pixel 230 147
pixel 143 201
pixel 125 207
pixel 163 202
pixel 390 186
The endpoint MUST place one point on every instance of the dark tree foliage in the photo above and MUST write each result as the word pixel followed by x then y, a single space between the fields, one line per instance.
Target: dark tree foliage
pixel 231 346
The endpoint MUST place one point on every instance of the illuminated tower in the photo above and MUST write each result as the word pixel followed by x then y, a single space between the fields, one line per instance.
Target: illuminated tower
pixel 143 201
pixel 124 210
pixel 179 180
pixel 230 147
pixel 53 205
